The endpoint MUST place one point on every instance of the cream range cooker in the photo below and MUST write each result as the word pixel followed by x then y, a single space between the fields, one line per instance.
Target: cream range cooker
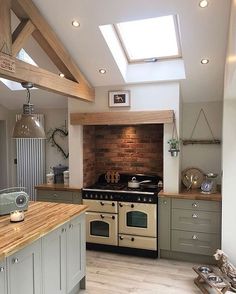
pixel 120 218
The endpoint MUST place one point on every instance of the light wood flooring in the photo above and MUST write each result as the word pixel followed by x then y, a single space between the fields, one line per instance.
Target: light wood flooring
pixel 109 273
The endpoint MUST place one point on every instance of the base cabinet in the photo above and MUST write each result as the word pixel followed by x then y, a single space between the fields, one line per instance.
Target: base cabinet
pixel 63 257
pixel 75 252
pixel 189 226
pixel 3 278
pixel 24 270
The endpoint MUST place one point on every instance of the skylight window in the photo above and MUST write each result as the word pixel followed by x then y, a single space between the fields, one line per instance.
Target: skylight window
pixel 149 39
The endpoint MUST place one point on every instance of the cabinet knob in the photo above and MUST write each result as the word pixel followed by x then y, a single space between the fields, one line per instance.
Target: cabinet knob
pixel 194 215
pixel 195 204
pixel 165 202
pixel 194 237
pixel 70 226
pixel 121 238
pixel 15 260
pixel 63 230
pixel 1 269
pixel 55 195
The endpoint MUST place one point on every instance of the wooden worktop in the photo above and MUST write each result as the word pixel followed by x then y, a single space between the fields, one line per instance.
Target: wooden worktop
pixel 58 187
pixel 40 219
pixel 194 194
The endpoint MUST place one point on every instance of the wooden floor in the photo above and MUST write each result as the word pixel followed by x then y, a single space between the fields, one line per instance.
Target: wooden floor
pixel 109 273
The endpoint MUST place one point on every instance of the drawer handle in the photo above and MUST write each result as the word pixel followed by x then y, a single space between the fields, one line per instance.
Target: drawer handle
pixel 132 205
pixel 132 239
pixel 15 260
pixel 121 238
pixel 55 195
pixel 194 215
pixel 195 204
pixel 194 237
pixel 63 230
pixel 1 269
pixel 70 226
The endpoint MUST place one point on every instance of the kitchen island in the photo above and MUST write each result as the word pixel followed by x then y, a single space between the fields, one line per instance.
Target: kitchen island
pixel 46 252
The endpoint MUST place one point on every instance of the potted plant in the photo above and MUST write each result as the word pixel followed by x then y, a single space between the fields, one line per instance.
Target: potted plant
pixel 173 147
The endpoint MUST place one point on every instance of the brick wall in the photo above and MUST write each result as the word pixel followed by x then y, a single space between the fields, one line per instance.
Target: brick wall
pixel 135 149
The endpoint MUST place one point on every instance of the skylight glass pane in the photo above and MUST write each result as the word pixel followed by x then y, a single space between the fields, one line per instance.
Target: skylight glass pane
pixel 24 56
pixel 149 38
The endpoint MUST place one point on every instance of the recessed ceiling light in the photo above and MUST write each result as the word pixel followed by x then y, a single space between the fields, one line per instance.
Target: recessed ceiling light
pixel 203 3
pixel 75 23
pixel 102 71
pixel 205 61
pixel 61 75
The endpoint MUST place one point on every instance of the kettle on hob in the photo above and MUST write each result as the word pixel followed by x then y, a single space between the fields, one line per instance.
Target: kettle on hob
pixel 209 185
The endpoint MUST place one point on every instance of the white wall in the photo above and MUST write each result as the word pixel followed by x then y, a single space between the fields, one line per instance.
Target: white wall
pixel 143 97
pixel 205 157
pixel 229 143
pixel 55 118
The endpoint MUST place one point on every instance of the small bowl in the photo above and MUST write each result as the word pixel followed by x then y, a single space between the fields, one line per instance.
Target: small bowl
pixel 205 270
pixel 215 279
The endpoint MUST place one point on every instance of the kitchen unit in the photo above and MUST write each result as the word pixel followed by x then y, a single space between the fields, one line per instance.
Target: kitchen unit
pixel 59 193
pixel 120 218
pixel 48 255
pixel 189 225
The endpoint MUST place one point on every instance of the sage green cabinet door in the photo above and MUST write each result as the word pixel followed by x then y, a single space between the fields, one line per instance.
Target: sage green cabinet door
pixel 75 251
pixel 164 223
pixel 77 197
pixel 54 262
pixel 3 281
pixel 24 270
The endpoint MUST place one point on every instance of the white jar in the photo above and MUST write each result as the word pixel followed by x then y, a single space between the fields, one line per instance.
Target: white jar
pixel 66 176
pixel 50 178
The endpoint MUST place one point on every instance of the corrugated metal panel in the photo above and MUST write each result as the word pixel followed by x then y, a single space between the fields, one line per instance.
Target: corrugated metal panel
pixel 30 161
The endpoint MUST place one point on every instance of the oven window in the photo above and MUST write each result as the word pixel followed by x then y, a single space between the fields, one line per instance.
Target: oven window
pixel 136 219
pixel 99 228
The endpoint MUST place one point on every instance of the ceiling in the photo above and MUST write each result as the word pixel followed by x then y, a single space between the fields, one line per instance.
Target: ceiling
pixel 203 34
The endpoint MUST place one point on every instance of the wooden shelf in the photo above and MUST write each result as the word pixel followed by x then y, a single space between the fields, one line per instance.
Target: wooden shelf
pixel 122 117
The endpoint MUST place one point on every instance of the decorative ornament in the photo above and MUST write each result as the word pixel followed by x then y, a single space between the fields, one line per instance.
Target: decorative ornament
pixel 52 138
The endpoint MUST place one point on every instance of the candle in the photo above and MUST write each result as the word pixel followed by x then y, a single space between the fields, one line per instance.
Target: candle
pixel 17 216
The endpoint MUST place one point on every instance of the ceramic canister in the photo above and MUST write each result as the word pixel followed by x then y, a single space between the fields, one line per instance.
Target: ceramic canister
pixel 66 176
pixel 50 178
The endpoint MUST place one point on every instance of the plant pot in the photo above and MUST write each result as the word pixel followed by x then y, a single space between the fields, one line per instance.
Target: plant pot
pixel 174 152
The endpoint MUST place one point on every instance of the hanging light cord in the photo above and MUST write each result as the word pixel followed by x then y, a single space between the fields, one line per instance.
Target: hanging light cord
pixel 28 95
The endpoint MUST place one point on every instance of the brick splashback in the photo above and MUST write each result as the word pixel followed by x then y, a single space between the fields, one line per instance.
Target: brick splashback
pixel 135 149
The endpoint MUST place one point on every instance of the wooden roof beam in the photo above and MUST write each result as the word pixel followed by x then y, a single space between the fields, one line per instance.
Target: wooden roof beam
pixel 5 26
pixel 20 35
pixel 41 78
pixel 48 40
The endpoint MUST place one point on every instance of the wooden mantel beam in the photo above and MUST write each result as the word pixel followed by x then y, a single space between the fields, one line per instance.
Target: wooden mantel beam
pixel 48 40
pixel 20 35
pixel 41 78
pixel 122 117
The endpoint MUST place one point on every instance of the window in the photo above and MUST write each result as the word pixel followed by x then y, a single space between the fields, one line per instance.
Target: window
pixel 149 39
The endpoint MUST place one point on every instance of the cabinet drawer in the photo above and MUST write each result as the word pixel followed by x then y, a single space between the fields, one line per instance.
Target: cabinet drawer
pixel 137 242
pixel 101 206
pixel 194 242
pixel 196 204
pixel 66 196
pixel 199 221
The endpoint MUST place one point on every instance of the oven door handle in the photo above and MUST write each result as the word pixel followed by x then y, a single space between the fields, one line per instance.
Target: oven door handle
pixel 107 216
pixel 107 203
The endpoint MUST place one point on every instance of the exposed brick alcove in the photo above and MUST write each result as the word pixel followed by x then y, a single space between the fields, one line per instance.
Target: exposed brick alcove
pixel 135 149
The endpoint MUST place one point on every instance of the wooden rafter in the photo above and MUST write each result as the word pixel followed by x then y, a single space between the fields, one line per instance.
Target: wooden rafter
pixel 32 22
pixel 44 79
pixel 20 35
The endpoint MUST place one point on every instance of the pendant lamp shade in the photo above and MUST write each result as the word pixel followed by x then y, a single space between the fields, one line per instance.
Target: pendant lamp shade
pixel 28 126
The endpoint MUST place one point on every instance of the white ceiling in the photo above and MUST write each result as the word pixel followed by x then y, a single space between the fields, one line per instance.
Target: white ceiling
pixel 203 34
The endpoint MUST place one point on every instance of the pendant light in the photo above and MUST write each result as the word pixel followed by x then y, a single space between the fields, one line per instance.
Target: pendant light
pixel 28 126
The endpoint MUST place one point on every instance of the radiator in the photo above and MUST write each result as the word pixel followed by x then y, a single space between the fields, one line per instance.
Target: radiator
pixel 30 154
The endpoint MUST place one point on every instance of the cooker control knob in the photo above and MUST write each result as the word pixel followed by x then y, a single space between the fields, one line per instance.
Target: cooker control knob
pixel 111 197
pixel 91 196
pixel 96 196
pixel 106 196
pixel 101 196
pixel 139 198
pixel 150 199
pixel 86 195
pixel 144 199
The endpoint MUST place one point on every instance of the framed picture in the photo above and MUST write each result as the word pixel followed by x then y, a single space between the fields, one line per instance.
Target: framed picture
pixel 119 98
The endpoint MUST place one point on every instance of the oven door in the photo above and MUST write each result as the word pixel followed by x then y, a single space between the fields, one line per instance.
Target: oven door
pixel 101 228
pixel 138 219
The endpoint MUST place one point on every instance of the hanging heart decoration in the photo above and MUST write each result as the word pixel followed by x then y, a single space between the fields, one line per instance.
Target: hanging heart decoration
pixel 54 139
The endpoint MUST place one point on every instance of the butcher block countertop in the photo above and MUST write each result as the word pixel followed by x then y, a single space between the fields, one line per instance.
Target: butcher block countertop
pixel 194 194
pixel 40 219
pixel 58 187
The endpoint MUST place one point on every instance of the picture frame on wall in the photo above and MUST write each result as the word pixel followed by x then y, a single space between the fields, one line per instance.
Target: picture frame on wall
pixel 119 98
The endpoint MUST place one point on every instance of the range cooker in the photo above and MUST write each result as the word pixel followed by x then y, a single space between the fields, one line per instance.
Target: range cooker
pixel 120 218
